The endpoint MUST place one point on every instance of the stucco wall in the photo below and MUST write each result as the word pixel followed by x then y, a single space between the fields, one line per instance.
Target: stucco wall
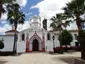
pixel 8 43
pixel 21 45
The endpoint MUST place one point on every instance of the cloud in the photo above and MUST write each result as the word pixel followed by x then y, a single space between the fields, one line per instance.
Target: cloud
pixel 22 2
pixel 27 14
pixel 48 8
pixel 24 26
pixel 9 27
pixel 3 21
pixel 5 28
pixel 72 26
pixel 4 16
pixel 2 29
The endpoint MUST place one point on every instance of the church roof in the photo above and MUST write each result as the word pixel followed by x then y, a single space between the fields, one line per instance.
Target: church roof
pixel 10 31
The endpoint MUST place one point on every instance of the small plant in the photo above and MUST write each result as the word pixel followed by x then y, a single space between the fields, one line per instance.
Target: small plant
pixel 1 44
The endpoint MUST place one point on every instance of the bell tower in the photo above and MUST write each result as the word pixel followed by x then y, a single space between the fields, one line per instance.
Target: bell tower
pixel 35 22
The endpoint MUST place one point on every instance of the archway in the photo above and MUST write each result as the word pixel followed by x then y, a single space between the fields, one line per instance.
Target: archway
pixel 35 45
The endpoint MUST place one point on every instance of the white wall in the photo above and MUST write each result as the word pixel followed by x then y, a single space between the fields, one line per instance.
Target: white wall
pixel 8 43
pixel 74 40
pixel 49 43
pixel 21 45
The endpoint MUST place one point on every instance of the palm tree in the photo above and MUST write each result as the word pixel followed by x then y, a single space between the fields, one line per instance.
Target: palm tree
pixel 75 9
pixel 4 2
pixel 58 24
pixel 15 17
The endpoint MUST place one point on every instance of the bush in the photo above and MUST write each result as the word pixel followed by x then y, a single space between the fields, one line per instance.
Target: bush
pixel 1 44
pixel 65 38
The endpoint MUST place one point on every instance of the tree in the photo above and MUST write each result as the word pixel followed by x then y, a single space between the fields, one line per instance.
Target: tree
pixel 75 9
pixel 4 2
pixel 57 23
pixel 66 38
pixel 15 16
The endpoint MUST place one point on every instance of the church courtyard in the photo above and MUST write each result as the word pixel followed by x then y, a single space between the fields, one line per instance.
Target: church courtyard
pixel 40 58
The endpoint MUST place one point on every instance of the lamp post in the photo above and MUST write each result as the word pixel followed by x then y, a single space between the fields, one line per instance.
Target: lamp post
pixel 53 43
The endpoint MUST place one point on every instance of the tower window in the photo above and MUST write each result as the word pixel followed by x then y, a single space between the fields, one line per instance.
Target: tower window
pixel 48 36
pixel 23 37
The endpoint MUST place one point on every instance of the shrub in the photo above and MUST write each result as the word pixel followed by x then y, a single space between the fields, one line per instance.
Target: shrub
pixel 65 38
pixel 1 44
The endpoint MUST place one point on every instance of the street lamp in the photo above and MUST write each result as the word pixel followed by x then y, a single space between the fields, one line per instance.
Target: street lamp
pixel 53 43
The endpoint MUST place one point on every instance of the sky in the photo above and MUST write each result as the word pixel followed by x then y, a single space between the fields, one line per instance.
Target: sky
pixel 42 8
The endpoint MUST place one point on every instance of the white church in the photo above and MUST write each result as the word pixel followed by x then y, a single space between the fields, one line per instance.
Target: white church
pixel 35 38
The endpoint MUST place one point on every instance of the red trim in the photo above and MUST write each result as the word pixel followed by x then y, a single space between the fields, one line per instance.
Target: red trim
pixel 43 49
pixel 27 44
pixel 10 31
pixel 29 51
pixel 35 35
pixel 43 43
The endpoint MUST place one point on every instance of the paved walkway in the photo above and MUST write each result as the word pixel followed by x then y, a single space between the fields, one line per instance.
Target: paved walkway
pixel 40 58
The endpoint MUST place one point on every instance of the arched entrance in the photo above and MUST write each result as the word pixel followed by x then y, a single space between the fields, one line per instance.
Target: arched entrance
pixel 35 45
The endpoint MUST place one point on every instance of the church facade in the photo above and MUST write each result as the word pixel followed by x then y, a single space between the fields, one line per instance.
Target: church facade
pixel 35 38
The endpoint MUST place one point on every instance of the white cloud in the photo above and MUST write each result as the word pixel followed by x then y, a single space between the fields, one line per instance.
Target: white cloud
pixel 22 2
pixel 27 14
pixel 3 21
pixel 23 27
pixel 2 29
pixel 4 16
pixel 7 27
pixel 49 8
pixel 72 26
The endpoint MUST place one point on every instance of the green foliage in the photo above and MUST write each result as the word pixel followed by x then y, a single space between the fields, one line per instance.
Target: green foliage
pixel 4 2
pixel 75 6
pixel 57 22
pixel 15 16
pixel 74 9
pixel 1 44
pixel 66 37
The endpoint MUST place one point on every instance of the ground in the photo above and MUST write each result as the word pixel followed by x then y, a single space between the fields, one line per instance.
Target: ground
pixel 40 58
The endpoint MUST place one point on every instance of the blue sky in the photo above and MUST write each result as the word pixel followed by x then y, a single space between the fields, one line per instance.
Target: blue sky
pixel 27 9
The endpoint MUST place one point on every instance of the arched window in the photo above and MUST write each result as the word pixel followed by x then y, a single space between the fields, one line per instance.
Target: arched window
pixel 23 37
pixel 75 35
pixel 48 36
